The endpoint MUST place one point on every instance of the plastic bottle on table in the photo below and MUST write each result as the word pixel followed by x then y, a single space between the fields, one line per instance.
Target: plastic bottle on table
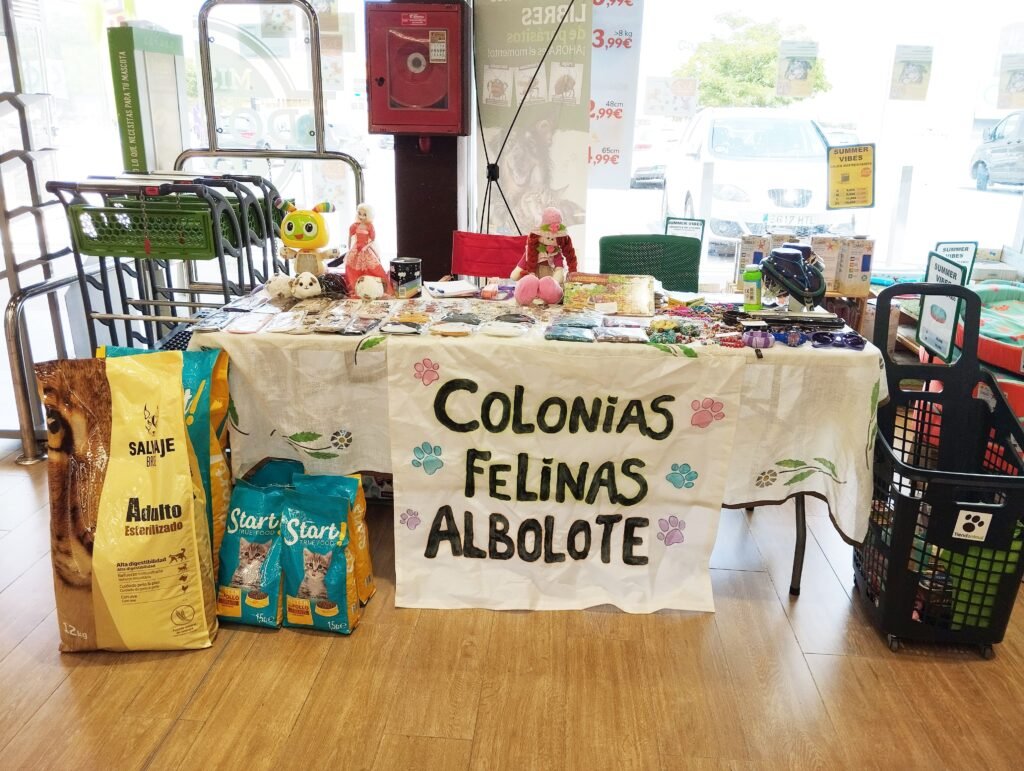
pixel 752 288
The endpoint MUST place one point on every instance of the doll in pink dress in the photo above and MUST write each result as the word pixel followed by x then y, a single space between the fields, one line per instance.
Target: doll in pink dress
pixel 362 258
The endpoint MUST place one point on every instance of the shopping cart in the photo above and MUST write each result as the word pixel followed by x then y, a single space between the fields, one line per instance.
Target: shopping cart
pixel 145 241
pixel 941 560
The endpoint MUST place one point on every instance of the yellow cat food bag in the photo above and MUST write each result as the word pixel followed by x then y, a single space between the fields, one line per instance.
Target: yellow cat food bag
pixel 130 541
pixel 204 379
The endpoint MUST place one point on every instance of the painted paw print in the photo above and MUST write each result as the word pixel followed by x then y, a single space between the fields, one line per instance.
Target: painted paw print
pixel 706 412
pixel 971 522
pixel 428 458
pixel 409 518
pixel 426 371
pixel 671 530
pixel 682 475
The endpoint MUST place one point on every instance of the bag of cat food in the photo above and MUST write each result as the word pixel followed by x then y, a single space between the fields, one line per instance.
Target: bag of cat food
pixel 204 378
pixel 249 582
pixel 319 577
pixel 349 488
pixel 129 539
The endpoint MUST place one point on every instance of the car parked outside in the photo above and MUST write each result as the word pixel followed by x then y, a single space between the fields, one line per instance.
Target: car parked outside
pixel 767 170
pixel 651 146
pixel 1000 156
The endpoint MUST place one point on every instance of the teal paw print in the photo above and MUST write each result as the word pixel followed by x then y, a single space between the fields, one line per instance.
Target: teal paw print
pixel 682 475
pixel 428 458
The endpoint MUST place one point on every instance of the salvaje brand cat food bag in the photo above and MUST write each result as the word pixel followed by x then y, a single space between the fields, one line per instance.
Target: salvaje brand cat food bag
pixel 204 379
pixel 319 577
pixel 249 582
pixel 129 540
pixel 349 488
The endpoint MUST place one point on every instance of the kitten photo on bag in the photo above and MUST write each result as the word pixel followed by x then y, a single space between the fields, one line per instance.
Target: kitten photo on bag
pixel 315 567
pixel 252 560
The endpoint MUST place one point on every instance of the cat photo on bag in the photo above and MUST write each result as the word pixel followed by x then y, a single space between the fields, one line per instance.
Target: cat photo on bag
pixel 314 583
pixel 252 562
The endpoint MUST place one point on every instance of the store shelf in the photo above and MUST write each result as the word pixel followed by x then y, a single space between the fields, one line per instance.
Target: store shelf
pixel 26 155
pixel 906 335
pixel 10 102
pixel 21 211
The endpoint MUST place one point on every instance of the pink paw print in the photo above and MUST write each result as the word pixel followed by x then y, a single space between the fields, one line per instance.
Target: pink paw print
pixel 410 518
pixel 426 371
pixel 671 530
pixel 706 412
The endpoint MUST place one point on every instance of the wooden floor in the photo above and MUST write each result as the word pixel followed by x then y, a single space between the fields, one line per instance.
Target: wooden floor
pixel 765 682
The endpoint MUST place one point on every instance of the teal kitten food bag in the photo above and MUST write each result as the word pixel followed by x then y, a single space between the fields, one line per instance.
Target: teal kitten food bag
pixel 249 580
pixel 319 571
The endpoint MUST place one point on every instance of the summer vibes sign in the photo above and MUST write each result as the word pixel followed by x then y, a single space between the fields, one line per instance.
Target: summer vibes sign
pixel 581 481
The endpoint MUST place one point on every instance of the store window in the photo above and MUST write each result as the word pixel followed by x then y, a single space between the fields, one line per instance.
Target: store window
pixel 936 93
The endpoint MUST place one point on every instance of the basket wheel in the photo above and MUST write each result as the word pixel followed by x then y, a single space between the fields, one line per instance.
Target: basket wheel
pixel 987 652
pixel 894 642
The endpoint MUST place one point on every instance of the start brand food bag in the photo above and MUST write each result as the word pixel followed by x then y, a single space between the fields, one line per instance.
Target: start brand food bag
pixel 319 576
pixel 349 488
pixel 204 379
pixel 249 582
pixel 130 542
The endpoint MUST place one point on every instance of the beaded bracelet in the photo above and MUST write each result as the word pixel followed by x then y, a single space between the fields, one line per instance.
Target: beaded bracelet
pixel 758 338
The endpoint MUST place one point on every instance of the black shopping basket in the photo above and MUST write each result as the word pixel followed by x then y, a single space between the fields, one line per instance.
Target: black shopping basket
pixel 941 561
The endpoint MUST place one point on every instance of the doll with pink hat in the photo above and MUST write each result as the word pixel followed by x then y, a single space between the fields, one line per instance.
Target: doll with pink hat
pixel 548 257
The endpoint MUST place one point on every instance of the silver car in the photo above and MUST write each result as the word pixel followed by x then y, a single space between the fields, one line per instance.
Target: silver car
pixel 758 171
pixel 1000 156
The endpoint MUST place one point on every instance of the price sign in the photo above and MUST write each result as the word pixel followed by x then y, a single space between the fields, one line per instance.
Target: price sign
pixel 611 111
pixel 684 226
pixel 936 330
pixel 851 177
pixel 607 156
pixel 616 28
pixel 609 40
pixel 962 252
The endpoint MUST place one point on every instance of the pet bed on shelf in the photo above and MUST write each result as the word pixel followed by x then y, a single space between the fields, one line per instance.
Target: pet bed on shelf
pixel 1001 337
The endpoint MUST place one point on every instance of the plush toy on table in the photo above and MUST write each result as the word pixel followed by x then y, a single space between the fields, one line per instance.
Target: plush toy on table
pixel 304 236
pixel 362 259
pixel 548 257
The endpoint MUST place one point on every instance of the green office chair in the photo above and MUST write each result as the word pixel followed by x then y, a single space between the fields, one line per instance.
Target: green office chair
pixel 673 260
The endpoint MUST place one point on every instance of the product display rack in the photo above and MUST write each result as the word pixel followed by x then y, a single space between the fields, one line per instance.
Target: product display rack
pixel 45 256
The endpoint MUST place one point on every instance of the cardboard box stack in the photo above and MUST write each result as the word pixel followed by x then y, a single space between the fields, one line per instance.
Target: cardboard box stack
pixel 867 324
pixel 847 260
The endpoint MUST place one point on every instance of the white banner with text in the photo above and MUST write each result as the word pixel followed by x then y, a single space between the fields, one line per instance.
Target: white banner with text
pixel 583 483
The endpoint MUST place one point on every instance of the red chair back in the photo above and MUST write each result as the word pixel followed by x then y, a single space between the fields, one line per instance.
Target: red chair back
pixel 485 255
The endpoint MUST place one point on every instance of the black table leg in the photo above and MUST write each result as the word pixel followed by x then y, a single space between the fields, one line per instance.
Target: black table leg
pixel 801 543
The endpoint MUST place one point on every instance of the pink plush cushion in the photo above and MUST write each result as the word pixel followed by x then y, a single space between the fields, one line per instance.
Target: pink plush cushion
pixel 549 290
pixel 526 289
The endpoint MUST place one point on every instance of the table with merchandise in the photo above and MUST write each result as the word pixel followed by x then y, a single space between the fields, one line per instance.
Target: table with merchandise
pixel 553 438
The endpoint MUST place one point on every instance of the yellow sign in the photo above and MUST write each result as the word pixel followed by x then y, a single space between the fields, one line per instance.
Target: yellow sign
pixel 851 177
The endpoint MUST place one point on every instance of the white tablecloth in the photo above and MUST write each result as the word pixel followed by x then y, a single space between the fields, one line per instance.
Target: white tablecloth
pixel 806 420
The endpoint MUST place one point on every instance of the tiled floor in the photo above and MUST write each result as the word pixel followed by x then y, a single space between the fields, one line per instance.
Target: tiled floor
pixel 765 682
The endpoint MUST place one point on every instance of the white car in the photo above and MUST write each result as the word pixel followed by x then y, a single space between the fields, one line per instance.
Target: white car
pixel 767 171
